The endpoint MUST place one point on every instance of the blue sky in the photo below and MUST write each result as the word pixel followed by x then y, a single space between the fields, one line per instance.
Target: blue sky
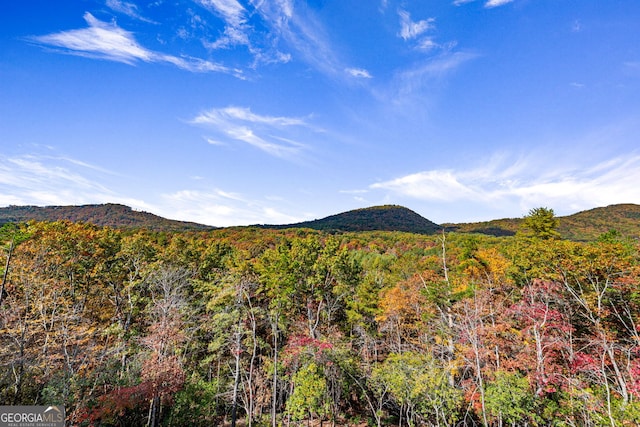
pixel 236 112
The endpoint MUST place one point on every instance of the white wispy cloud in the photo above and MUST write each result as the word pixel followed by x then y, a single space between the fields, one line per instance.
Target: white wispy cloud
pixel 429 185
pixel 236 31
pixel 100 39
pixel 225 115
pixel 49 180
pixel 414 32
pixel 308 37
pixel 281 31
pixel 488 4
pixel 427 44
pixel 359 73
pixel 108 41
pixel 496 3
pixel 221 208
pixel 305 35
pixel 409 84
pixel 126 8
pixel 55 180
pixel 231 10
pixel 412 29
pixel 270 134
pixel 214 141
pixel 501 181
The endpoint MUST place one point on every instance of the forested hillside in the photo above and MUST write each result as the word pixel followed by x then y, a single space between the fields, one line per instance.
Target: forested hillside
pixel 588 225
pixel 376 218
pixel 109 215
pixel 297 326
pixel 582 226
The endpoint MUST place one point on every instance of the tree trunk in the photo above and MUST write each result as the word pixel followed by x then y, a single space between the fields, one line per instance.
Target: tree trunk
pixel 5 274
pixel 274 385
pixel 154 412
pixel 236 379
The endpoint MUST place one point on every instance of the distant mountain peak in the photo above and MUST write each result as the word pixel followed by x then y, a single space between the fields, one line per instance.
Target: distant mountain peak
pixel 374 218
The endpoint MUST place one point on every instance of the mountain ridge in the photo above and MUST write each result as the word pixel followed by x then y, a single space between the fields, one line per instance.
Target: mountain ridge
pixel 103 215
pixel 581 226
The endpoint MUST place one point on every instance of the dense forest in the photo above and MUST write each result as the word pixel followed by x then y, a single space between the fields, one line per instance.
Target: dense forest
pixel 266 327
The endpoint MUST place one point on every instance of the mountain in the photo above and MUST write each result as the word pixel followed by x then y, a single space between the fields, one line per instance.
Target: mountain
pixel 588 225
pixel 582 226
pixel 378 218
pixel 110 215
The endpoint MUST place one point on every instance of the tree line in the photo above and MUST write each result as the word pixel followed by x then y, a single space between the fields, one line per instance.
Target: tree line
pixel 301 327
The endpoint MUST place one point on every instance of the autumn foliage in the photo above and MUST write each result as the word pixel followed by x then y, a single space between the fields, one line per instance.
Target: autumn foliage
pixel 294 327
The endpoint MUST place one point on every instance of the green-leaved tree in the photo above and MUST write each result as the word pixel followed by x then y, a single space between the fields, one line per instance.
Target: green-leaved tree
pixel 541 223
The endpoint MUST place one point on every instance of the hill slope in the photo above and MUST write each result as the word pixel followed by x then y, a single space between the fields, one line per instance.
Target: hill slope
pixel 582 226
pixel 377 218
pixel 589 224
pixel 110 215
pixel 495 227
